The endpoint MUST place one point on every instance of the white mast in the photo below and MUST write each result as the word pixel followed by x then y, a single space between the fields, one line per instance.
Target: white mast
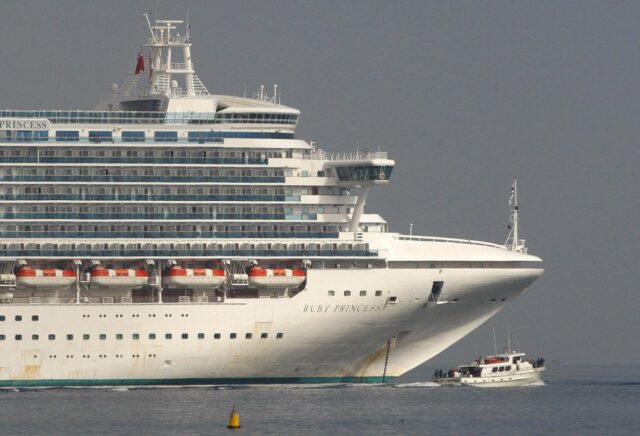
pixel 162 40
pixel 514 242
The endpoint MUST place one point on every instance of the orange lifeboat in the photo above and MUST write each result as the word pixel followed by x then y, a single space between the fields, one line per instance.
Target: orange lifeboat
pixel 44 278
pixel 276 277
pixel 118 278
pixel 177 276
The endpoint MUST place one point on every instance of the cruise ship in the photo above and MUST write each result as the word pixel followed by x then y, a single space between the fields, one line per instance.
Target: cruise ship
pixel 174 236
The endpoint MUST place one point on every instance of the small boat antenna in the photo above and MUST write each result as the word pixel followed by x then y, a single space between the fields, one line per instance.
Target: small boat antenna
pixel 508 339
pixel 495 347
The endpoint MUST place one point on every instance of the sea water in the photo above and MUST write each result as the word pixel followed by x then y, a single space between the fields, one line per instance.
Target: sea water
pixel 573 400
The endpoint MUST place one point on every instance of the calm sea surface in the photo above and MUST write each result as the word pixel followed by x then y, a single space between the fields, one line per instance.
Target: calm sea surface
pixel 575 400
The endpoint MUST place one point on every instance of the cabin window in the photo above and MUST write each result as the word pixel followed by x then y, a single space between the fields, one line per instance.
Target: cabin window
pixel 135 336
pixel 168 336
pixel 3 337
pixel 119 336
pixel 378 293
pixel 52 337
pixel 495 369
pixel 35 337
pixel 2 317
pixel 248 336
pixel 508 368
pixel 67 135
pixel 501 369
pixel 216 336
pixel 200 335
pixel 152 336
pixel 18 317
pixel 233 335
pixel 347 293
pixel 363 293
pixel 132 136
pixel 69 337
pixel 166 136
pixel 279 335
pixel 18 337
pixel 332 293
pixel 185 336
pixel 103 337
pixel 85 337
pixel 35 317
pixel 393 300
pixel 264 336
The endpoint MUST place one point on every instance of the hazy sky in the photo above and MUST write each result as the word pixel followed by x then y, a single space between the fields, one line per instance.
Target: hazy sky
pixel 464 95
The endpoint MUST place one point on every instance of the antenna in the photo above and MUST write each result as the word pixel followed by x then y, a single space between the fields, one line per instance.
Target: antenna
pixel 153 36
pixel 495 347
pixel 513 242
pixel 508 339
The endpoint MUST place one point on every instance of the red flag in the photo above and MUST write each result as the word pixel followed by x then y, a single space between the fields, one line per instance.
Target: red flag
pixel 140 63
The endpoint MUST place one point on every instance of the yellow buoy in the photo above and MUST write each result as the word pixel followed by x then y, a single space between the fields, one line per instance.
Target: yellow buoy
pixel 234 419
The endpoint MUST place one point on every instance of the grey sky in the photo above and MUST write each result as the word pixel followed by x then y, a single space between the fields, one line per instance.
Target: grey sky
pixel 464 95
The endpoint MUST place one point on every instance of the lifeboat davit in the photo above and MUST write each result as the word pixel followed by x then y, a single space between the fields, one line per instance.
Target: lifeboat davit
pixel 177 276
pixel 118 278
pixel 44 278
pixel 276 277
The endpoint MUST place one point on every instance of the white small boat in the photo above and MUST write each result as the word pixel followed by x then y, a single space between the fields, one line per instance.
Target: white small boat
pixel 177 276
pixel 118 277
pixel 44 278
pixel 276 277
pixel 500 370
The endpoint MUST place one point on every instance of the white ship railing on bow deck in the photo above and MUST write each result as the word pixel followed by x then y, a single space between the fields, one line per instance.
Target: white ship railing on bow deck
pixel 448 240
pixel 358 155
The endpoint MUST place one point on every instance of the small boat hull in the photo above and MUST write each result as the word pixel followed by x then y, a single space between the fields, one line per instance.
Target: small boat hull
pixel 276 278
pixel 196 278
pixel 44 278
pixel 118 278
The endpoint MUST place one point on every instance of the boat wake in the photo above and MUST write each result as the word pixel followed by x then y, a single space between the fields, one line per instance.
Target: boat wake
pixel 414 385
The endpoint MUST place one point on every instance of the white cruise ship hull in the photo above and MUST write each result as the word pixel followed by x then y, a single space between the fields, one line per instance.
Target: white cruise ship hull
pixel 324 338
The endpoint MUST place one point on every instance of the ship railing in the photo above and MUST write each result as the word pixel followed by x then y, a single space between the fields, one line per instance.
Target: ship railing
pixel 151 117
pixel 148 197
pixel 165 234
pixel 358 155
pixel 134 160
pixel 150 179
pixel 171 253
pixel 158 216
pixel 448 240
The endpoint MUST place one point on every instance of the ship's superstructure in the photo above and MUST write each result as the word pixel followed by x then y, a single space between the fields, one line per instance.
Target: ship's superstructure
pixel 175 236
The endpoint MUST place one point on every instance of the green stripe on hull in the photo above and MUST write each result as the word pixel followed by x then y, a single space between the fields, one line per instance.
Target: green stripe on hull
pixel 187 381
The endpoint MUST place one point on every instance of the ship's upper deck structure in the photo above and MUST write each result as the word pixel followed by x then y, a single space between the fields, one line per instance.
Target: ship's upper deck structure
pixel 163 168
